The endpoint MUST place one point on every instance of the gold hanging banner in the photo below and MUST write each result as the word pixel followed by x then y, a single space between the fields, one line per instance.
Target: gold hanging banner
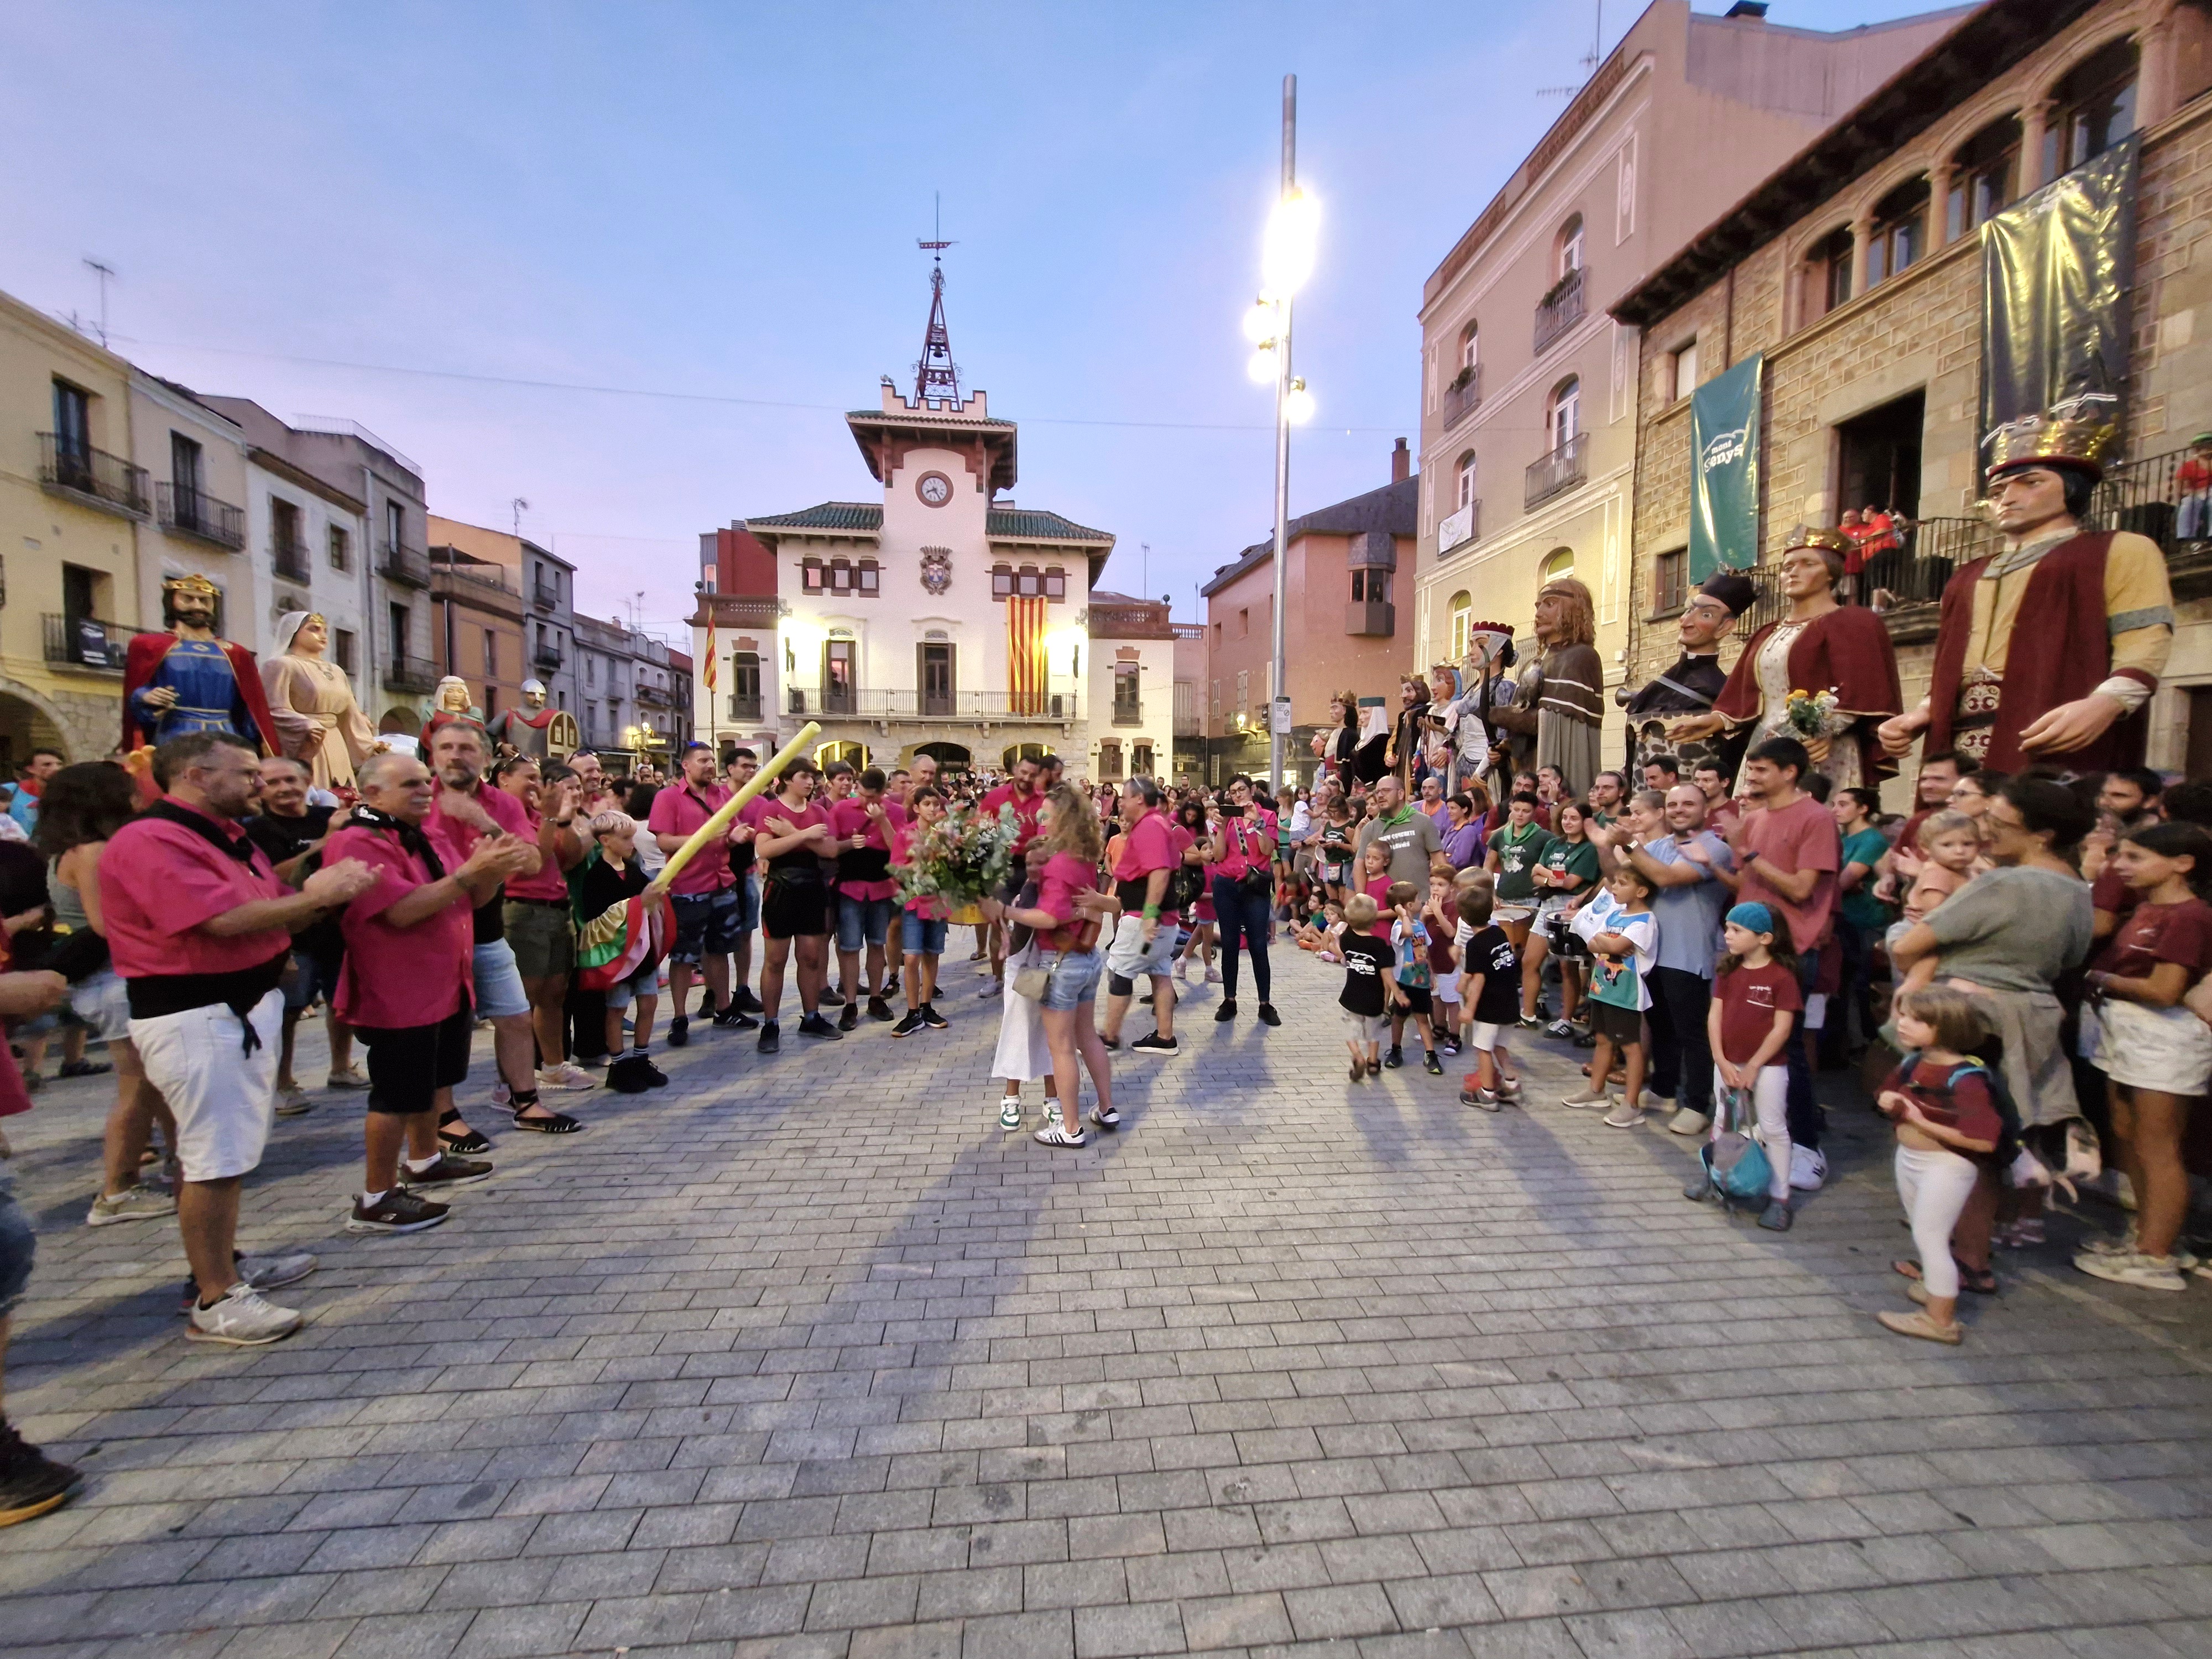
pixel 718 824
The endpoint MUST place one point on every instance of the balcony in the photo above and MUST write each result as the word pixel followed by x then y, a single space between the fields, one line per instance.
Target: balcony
pixel 85 642
pixel 1464 395
pixel 1459 528
pixel 1556 473
pixel 1128 711
pixel 1559 310
pixel 547 655
pixel 195 513
pixel 1057 707
pixel 1371 618
pixel 655 696
pixel 546 596
pixel 288 557
pixel 92 477
pixel 410 674
pixel 398 563
pixel 745 706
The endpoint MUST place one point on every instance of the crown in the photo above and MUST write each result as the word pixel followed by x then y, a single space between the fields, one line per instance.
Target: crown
pixel 1505 629
pixel 194 583
pixel 2078 433
pixel 1807 535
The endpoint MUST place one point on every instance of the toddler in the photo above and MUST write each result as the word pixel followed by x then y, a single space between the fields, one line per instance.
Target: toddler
pixel 1410 984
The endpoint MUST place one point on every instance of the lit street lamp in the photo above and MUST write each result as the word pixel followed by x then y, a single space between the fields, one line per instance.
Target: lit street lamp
pixel 1286 260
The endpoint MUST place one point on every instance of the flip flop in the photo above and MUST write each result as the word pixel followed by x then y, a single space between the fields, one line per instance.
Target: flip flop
pixel 1982 1283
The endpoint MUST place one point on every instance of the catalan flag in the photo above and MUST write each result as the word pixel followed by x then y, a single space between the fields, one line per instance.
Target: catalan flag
pixel 706 667
pixel 1025 658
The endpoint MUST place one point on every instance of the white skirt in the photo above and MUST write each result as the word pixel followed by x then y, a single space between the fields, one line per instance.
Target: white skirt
pixel 1022 1051
pixel 2167 1049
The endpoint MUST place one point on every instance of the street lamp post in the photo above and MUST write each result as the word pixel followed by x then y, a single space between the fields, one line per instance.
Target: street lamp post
pixel 1286 261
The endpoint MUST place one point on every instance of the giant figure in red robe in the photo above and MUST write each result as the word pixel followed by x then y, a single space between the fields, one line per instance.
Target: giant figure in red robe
pixel 187 680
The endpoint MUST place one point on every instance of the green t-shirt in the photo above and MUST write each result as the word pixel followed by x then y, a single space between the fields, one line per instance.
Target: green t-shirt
pixel 1572 858
pixel 1861 907
pixel 1516 858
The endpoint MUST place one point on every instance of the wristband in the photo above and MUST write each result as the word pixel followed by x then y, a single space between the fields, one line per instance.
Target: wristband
pixel 1151 913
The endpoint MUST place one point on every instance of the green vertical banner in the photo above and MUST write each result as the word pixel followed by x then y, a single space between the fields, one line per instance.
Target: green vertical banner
pixel 1724 471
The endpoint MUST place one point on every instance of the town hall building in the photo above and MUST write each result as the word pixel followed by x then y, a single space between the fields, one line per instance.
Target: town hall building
pixel 938 618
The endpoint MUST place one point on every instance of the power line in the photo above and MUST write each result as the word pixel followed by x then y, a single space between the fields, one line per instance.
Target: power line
pixel 524 384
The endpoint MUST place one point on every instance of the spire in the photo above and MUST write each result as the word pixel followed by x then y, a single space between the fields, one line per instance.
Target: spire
pixel 936 375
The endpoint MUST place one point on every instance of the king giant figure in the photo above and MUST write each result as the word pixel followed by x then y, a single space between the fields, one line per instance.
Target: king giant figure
pixel 2049 649
pixel 187 680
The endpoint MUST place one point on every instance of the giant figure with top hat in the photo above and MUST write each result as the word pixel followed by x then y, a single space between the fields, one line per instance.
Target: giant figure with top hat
pixel 187 680
pixel 2050 648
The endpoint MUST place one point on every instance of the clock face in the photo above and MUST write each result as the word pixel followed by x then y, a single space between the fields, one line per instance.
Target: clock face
pixel 934 488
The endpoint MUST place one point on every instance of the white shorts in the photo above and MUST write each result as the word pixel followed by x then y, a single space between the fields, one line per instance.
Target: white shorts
pixel 1130 957
pixel 1446 989
pixel 2167 1049
pixel 1486 1036
pixel 1363 1028
pixel 223 1097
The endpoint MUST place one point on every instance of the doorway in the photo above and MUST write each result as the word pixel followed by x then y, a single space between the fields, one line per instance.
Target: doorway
pixel 1878 457
pixel 936 680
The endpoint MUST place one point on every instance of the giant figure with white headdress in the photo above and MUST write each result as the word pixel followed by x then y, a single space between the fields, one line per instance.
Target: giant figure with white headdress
pixel 318 722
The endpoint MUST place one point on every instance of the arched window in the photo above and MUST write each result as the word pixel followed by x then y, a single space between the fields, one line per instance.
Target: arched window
pixel 1469 353
pixel 2096 108
pixel 1828 273
pixel 1571 246
pixel 1563 412
pixel 1559 561
pixel 1900 230
pixel 1984 176
pixel 1461 611
pixel 1467 469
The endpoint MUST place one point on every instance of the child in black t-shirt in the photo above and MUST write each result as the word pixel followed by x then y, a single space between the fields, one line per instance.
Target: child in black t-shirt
pixel 1489 999
pixel 1368 964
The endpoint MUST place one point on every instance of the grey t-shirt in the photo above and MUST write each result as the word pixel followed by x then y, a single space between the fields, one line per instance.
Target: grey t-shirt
pixel 1413 842
pixel 1690 917
pixel 2013 929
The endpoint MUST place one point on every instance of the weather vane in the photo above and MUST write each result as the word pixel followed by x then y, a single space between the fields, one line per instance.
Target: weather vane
pixel 936 375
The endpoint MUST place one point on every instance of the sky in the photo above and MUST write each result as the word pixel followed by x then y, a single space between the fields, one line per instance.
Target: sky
pixel 630 262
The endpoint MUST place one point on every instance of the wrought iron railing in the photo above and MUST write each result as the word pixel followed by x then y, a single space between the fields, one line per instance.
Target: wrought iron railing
pixel 546 594
pixel 288 557
pixel 86 642
pixel 908 705
pixel 1559 310
pixel 92 475
pixel 1559 472
pixel 1128 711
pixel 410 674
pixel 398 563
pixel 1462 397
pixel 547 655
pixel 195 513
pixel 744 705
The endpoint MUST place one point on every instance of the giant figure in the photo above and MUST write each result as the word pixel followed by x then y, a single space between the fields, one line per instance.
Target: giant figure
pixel 187 680
pixel 1693 685
pixel 318 724
pixel 2050 648
pixel 1557 706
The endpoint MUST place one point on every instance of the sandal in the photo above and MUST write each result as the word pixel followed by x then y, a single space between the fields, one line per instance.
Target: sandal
pixel 85 1069
pixel 1981 1282
pixel 556 1123
pixel 467 1144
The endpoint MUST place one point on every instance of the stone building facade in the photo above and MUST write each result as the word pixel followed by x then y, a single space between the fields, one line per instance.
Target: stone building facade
pixel 1855 272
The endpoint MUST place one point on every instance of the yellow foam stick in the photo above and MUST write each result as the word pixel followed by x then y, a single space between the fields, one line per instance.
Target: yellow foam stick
pixel 718 824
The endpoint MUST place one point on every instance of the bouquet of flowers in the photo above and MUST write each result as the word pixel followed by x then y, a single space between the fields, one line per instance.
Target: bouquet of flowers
pixel 964 856
pixel 1812 714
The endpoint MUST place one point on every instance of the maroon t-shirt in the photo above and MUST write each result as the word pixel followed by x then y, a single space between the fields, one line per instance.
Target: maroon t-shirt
pixel 1800 836
pixel 1966 1106
pixel 1749 999
pixel 2152 933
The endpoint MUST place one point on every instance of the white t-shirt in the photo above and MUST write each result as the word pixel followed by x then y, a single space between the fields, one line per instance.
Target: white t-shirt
pixel 1626 987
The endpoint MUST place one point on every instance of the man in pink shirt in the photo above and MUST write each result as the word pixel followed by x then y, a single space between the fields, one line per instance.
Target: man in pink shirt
pixel 864 825
pixel 1789 854
pixel 467 810
pixel 704 895
pixel 1143 939
pixel 405 985
pixel 199 929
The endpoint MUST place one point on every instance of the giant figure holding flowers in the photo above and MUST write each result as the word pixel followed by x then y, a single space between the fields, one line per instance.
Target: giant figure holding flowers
pixel 1838 656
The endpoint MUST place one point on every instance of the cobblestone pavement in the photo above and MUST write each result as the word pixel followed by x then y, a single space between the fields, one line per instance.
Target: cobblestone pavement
pixel 805 1357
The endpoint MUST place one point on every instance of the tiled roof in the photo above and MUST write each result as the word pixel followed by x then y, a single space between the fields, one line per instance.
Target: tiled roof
pixel 1023 523
pixel 933 416
pixel 868 516
pixel 1395 507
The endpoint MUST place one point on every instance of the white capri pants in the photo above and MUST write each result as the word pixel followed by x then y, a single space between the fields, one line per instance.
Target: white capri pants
pixel 1934 1187
pixel 1770 1099
pixel 223 1097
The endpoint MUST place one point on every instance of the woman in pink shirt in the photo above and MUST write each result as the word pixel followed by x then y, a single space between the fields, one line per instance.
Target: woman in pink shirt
pixel 1066 918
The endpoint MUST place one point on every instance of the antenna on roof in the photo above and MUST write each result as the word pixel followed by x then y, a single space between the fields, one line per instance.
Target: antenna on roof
pixel 936 375
pixel 105 272
pixel 1590 59
pixel 519 507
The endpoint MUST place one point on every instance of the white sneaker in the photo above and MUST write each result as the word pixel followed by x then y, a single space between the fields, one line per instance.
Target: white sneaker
pixel 1689 1121
pixel 1808 1168
pixel 1213 976
pixel 2139 1272
pixel 1588 1097
pixel 139 1203
pixel 567 1075
pixel 266 1272
pixel 243 1319
pixel 1624 1116
pixel 291 1102
pixel 1010 1112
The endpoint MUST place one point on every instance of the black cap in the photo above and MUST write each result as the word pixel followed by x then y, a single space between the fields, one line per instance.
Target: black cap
pixel 1735 591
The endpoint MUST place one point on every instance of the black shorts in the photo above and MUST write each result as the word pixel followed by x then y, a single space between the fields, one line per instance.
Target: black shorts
pixel 408 1066
pixel 795 909
pixel 1417 1000
pixel 1614 1023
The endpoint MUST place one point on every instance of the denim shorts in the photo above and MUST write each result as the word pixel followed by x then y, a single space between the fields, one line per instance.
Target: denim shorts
pixel 862 922
pixel 748 892
pixel 19 1248
pixel 1074 979
pixel 923 936
pixel 645 982
pixel 706 924
pixel 499 991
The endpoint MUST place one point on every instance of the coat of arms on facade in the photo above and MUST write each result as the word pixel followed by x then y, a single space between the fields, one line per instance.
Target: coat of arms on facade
pixel 936 568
